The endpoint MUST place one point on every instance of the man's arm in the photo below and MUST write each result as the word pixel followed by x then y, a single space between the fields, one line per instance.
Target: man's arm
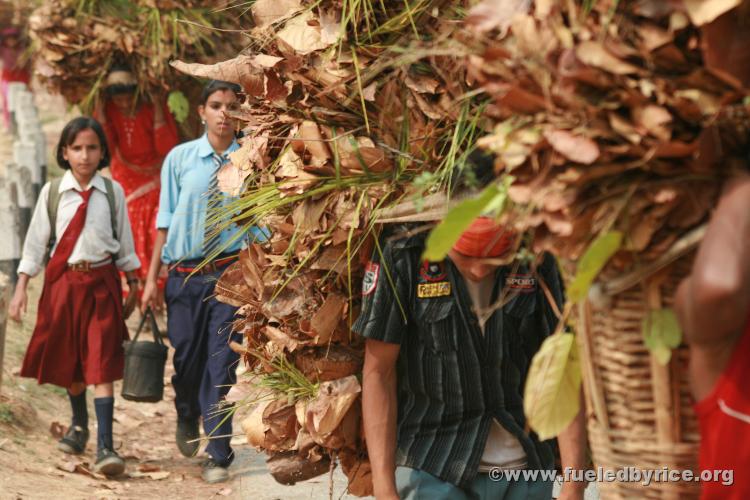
pixel 572 443
pixel 380 411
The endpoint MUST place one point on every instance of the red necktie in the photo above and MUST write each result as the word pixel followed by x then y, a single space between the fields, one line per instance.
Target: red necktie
pixel 59 261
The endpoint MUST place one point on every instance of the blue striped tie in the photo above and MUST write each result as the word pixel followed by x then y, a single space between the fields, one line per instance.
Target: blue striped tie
pixel 212 241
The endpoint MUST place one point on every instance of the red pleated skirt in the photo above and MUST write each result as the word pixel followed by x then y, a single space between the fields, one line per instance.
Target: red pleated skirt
pixel 79 331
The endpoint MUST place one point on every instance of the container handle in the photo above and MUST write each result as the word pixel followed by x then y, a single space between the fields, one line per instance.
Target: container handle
pixel 149 315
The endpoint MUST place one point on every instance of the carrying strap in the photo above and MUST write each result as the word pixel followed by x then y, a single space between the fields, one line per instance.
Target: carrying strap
pixel 149 315
pixel 53 202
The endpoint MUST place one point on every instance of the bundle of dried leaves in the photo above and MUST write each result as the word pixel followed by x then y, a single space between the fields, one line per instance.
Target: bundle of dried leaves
pixel 615 126
pixel 607 120
pixel 76 42
pixel 351 106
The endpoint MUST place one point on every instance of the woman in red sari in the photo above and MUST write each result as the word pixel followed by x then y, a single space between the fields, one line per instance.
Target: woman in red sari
pixel 140 134
pixel 14 69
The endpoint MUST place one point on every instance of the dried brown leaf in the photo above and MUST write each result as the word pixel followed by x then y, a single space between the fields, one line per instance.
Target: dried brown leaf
pixel 268 12
pixel 358 471
pixel 575 148
pixel 596 55
pixel 705 11
pixel 247 71
pixel 57 430
pixel 327 410
pixel 231 178
pixel 304 35
pixel 496 14
pixel 231 288
pixel 282 339
pixel 328 363
pixel 655 119
pixel 326 319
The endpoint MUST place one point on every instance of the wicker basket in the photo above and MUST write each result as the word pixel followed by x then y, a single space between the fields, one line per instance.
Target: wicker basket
pixel 639 413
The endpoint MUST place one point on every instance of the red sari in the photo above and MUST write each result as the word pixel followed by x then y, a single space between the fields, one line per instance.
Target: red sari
pixel 138 150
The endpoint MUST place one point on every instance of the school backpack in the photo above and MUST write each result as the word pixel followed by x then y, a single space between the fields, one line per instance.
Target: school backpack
pixel 53 201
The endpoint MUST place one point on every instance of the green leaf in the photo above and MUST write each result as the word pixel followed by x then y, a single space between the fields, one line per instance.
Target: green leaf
pixel 178 105
pixel 552 394
pixel 661 333
pixel 460 217
pixel 592 262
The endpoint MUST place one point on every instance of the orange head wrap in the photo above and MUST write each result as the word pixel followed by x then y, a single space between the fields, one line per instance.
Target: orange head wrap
pixel 484 238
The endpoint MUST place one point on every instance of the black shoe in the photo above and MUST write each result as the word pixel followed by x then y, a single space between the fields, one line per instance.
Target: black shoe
pixel 74 441
pixel 213 472
pixel 109 463
pixel 187 430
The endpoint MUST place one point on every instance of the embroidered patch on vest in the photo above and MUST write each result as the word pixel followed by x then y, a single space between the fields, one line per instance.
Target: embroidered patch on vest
pixel 433 271
pixel 429 290
pixel 523 283
pixel 370 281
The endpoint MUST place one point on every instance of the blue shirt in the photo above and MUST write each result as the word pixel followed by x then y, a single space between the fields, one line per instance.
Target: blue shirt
pixel 185 179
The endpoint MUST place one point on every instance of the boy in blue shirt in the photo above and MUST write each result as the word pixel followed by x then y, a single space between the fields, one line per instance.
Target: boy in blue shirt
pixel 199 327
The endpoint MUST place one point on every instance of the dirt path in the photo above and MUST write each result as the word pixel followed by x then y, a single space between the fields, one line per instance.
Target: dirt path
pixel 31 466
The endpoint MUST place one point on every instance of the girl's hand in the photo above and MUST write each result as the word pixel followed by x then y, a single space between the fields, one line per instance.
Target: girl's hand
pixel 17 307
pixel 132 300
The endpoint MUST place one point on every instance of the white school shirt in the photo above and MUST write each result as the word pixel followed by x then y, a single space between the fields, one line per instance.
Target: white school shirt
pixel 96 242
pixel 502 448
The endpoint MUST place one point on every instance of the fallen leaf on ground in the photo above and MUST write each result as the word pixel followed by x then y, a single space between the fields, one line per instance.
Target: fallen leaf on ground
pixel 148 468
pixel 57 430
pixel 156 476
pixel 67 467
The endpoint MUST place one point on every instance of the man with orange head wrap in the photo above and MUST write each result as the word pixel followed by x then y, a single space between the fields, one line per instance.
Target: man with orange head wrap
pixel 447 352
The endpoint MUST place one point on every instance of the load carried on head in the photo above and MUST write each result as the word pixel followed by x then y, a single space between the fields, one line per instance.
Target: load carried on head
pixel 76 44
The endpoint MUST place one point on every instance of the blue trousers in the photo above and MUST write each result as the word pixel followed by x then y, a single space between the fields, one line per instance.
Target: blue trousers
pixel 413 484
pixel 200 328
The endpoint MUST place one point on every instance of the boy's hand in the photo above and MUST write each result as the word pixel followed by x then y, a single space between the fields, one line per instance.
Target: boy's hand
pixel 150 295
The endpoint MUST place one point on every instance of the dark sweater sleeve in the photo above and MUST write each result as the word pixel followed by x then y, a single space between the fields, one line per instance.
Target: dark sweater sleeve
pixel 385 298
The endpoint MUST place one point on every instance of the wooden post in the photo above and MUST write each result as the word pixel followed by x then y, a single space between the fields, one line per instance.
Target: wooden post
pixel 6 290
pixel 41 156
pixel 21 177
pixel 25 155
pixel 15 89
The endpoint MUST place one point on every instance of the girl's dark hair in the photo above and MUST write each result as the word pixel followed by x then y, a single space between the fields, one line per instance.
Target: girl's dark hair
pixel 69 134
pixel 215 86
pixel 120 88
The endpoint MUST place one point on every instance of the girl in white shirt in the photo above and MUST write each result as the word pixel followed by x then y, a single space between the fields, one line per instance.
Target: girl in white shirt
pixel 80 328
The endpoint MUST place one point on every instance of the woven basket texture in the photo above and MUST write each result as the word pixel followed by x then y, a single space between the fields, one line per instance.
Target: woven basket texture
pixel 639 413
